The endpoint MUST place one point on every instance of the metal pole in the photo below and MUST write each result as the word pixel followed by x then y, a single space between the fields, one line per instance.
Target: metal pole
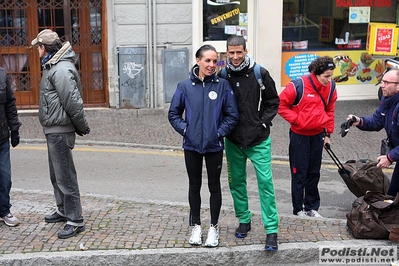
pixel 149 54
pixel 154 65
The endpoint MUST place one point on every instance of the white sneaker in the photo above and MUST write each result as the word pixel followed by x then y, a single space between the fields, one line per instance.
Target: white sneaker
pixel 213 236
pixel 313 213
pixel 302 214
pixel 10 220
pixel 196 235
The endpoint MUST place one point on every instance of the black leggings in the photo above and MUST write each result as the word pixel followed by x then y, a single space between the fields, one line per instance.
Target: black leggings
pixel 213 162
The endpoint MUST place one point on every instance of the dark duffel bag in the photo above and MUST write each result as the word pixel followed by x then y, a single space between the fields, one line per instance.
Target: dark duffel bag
pixel 361 176
pixel 364 175
pixel 373 215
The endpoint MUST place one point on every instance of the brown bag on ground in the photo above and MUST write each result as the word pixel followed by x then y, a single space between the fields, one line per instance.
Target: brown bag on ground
pixel 360 176
pixel 363 176
pixel 373 216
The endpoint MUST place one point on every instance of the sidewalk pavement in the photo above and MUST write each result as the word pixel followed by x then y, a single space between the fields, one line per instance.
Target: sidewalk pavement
pixel 124 232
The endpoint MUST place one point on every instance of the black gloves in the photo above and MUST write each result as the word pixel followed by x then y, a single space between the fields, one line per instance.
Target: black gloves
pixel 80 133
pixel 346 125
pixel 14 138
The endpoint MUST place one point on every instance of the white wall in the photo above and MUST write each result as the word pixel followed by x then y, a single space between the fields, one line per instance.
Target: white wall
pixel 269 21
pixel 126 22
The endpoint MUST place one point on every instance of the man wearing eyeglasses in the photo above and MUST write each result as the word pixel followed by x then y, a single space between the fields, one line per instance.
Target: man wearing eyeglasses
pixel 386 116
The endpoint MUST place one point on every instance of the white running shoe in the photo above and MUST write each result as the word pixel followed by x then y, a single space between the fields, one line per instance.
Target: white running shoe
pixel 196 235
pixel 313 213
pixel 302 214
pixel 10 220
pixel 213 236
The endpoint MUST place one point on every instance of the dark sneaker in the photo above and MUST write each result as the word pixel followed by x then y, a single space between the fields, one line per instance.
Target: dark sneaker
pixel 242 230
pixel 70 231
pixel 54 218
pixel 271 242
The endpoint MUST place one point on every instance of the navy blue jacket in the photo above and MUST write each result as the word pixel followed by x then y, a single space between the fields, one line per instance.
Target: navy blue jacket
pixel 210 109
pixel 386 116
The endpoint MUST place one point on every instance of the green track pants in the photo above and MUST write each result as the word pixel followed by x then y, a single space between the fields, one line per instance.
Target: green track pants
pixel 260 156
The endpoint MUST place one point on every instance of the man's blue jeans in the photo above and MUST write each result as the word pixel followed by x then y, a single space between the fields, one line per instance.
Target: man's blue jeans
pixel 63 176
pixel 5 178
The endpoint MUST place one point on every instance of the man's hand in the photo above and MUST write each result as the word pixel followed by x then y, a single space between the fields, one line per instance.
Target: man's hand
pixel 354 119
pixel 383 161
pixel 14 138
pixel 80 133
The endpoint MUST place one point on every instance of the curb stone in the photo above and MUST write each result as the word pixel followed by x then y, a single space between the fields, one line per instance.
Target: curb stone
pixel 288 254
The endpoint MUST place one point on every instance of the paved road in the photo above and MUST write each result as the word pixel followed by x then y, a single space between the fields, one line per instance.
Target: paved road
pixel 160 176
pixel 150 128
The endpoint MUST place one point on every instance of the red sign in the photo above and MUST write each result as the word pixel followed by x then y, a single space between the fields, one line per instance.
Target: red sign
pixel 383 42
pixel 352 44
pixel 371 3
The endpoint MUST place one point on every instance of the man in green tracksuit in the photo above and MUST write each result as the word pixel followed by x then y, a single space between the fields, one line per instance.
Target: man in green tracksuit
pixel 250 139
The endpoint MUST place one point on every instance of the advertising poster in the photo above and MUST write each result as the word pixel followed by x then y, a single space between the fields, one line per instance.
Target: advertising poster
pixel 243 19
pixel 384 40
pixel 359 14
pixel 352 67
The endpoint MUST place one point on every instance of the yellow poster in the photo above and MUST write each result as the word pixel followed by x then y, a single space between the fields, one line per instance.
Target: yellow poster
pixel 352 67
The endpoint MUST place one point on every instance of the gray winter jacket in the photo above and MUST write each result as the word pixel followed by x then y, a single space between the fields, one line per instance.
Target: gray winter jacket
pixel 61 104
pixel 8 111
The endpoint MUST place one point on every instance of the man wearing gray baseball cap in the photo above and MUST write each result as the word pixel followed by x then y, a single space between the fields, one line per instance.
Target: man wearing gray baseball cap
pixel 46 36
pixel 61 114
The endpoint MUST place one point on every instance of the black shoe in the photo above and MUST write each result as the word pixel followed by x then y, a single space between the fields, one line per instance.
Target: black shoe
pixel 54 218
pixel 242 230
pixel 70 231
pixel 271 242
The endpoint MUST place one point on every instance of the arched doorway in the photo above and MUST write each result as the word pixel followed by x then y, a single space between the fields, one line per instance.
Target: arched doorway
pixel 77 21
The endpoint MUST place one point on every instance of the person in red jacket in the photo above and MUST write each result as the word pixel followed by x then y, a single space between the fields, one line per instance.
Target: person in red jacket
pixel 312 121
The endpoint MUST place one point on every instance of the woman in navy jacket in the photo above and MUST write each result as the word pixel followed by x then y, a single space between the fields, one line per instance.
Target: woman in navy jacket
pixel 210 113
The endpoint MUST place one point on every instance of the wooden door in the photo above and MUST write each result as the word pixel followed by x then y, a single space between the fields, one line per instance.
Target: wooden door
pixel 79 22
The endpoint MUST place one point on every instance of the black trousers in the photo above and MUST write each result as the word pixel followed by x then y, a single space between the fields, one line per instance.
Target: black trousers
pixel 194 163
pixel 305 154
pixel 394 186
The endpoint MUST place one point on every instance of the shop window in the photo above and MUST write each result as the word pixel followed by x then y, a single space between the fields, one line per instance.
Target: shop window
pixel 222 19
pixel 332 24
